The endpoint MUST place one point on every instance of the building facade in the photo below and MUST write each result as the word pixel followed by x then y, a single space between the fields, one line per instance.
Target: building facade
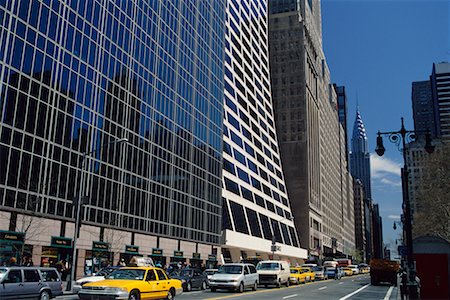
pixel 76 77
pixel 440 88
pixel 360 222
pixel 256 206
pixel 423 108
pixel 312 141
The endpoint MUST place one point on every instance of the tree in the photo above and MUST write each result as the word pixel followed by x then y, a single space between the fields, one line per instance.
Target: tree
pixel 432 216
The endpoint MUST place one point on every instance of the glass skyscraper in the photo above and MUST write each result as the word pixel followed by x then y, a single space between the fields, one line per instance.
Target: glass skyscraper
pixel 77 75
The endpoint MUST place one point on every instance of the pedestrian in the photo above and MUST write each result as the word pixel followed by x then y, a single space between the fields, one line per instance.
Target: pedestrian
pixel 336 273
pixel 403 284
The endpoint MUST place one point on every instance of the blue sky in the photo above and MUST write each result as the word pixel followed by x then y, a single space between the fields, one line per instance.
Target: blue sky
pixel 376 49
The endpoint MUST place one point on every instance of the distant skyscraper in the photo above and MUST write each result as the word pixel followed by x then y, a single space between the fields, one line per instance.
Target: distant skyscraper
pixel 342 110
pixel 255 202
pixel 423 108
pixel 377 233
pixel 360 223
pixel 440 87
pixel 360 157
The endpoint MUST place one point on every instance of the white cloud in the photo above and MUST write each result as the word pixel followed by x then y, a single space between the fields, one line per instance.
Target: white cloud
pixel 386 181
pixel 380 167
pixel 394 217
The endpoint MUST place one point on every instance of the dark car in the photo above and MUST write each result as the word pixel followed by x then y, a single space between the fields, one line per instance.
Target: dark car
pixel 191 278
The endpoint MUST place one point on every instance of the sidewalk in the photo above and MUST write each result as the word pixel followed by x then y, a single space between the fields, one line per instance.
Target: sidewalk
pixel 65 292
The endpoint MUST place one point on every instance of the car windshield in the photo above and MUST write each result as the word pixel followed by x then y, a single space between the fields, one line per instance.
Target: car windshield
pixel 268 266
pixel 294 271
pixel 186 273
pixel 2 273
pixel 317 269
pixel 129 274
pixel 233 269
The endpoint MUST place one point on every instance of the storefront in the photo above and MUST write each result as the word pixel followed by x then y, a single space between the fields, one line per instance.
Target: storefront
pixel 57 255
pixel 196 260
pixel 11 247
pixel 178 257
pixel 130 251
pixel 211 263
pixel 97 258
pixel 158 258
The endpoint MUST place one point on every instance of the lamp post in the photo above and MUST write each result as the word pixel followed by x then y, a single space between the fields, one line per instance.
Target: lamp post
pixel 402 137
pixel 79 205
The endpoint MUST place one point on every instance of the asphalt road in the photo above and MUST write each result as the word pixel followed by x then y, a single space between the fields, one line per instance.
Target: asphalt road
pixel 355 287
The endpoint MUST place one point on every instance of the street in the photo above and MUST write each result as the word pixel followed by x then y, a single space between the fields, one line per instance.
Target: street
pixel 356 287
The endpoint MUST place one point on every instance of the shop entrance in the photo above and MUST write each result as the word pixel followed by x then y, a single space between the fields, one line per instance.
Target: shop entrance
pixel 11 247
pixel 97 258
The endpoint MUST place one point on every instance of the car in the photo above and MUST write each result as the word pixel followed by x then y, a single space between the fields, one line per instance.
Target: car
pixel 133 283
pixel 209 273
pixel 29 282
pixel 274 272
pixel 301 275
pixel 234 276
pixel 363 268
pixel 319 273
pixel 355 269
pixel 97 277
pixel 191 278
pixel 347 271
pixel 330 273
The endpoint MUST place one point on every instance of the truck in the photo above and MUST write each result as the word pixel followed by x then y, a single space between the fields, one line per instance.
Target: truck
pixel 344 262
pixel 383 270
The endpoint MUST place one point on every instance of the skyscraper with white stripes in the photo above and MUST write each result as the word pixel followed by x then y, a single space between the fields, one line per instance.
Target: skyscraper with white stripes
pixel 256 207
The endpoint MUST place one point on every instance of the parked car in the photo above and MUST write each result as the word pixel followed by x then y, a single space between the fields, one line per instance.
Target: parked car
pixel 97 277
pixel 29 282
pixel 319 273
pixel 330 273
pixel 347 271
pixel 191 278
pixel 132 282
pixel 273 272
pixel 234 276
pixel 209 273
pixel 363 268
pixel 355 269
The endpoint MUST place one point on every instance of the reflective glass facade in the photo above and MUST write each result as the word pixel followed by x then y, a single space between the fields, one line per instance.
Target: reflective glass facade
pixel 77 75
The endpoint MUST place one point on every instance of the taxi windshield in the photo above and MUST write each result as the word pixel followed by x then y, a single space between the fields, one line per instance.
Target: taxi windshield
pixel 294 271
pixel 127 274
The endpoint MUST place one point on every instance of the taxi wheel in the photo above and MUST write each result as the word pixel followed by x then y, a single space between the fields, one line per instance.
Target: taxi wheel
pixel 170 294
pixel 203 287
pixel 134 295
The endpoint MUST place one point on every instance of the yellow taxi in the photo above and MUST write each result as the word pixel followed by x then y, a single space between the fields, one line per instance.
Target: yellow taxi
pixel 347 271
pixel 301 275
pixel 133 283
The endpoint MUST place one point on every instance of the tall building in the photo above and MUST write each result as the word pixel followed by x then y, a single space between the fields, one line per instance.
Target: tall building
pixel 342 106
pixel 423 108
pixel 360 224
pixel 76 77
pixel 360 156
pixel 256 206
pixel 312 141
pixel 440 88
pixel 377 233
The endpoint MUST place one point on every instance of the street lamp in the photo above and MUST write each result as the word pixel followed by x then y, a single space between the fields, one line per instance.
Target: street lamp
pixel 402 137
pixel 78 207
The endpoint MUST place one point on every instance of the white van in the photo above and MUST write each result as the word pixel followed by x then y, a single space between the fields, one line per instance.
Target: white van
pixel 273 272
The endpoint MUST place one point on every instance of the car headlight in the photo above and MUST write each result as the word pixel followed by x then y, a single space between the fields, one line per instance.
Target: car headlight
pixel 115 290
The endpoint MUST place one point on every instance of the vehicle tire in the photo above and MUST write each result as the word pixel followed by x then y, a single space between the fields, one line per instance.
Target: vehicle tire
pixel 45 295
pixel 134 295
pixel 170 294
pixel 213 289
pixel 241 287
pixel 255 286
pixel 188 287
pixel 203 287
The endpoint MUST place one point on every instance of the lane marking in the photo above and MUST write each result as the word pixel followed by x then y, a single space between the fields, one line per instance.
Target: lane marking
pixel 322 288
pixel 341 283
pixel 290 296
pixel 388 294
pixel 355 292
